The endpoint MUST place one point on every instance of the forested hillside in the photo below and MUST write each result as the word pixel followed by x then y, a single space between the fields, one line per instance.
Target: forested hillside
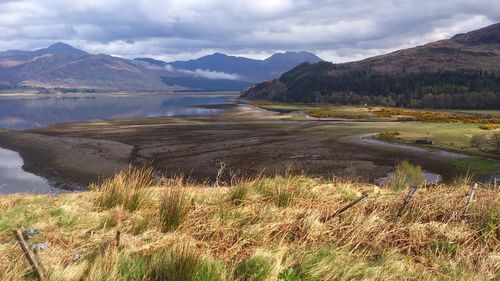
pixel 455 73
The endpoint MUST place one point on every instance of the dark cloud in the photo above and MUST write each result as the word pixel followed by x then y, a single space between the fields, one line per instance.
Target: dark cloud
pixel 171 29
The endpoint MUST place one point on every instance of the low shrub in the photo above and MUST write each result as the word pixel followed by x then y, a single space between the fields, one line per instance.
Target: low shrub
pixel 406 175
pixel 389 136
pixel 434 116
pixel 488 127
pixel 479 141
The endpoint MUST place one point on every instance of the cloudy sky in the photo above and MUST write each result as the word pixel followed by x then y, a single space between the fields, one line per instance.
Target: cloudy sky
pixel 336 30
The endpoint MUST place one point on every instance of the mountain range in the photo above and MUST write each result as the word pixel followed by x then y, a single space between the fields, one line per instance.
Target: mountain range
pixel 223 72
pixel 463 71
pixel 64 67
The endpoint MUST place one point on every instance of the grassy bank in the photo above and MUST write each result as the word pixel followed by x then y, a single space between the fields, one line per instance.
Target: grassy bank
pixel 255 229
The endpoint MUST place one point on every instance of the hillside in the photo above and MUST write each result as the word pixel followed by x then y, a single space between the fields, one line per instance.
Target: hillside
pixel 281 228
pixel 461 72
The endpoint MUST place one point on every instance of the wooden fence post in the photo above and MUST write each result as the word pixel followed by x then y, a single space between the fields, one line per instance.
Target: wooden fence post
pixel 408 199
pixel 346 207
pixel 42 274
pixel 117 239
pixel 470 199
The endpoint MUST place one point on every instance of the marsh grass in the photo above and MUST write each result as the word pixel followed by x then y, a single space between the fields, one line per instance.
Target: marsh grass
pixel 128 188
pixel 174 207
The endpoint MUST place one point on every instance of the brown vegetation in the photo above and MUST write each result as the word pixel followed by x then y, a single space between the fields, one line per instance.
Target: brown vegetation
pixel 434 116
pixel 262 237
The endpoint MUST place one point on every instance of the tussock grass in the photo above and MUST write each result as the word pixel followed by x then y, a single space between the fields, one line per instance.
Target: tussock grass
pixel 211 238
pixel 238 193
pixel 180 262
pixel 173 209
pixel 256 268
pixel 128 188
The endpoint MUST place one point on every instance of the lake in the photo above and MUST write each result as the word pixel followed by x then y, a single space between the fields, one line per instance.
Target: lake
pixel 20 112
pixel 26 111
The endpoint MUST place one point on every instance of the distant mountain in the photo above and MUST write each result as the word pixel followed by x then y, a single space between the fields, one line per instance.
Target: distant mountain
pixel 151 61
pixel 250 70
pixel 223 72
pixel 62 66
pixel 463 72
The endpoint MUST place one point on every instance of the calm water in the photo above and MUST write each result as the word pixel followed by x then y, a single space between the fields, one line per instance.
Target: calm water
pixel 32 111
pixel 25 112
pixel 14 179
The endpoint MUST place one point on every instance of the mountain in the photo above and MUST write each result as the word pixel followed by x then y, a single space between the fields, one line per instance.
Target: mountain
pixel 62 66
pixel 150 61
pixel 462 72
pixel 223 72
pixel 250 70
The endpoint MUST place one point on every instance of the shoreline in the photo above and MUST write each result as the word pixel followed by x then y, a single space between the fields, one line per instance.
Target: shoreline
pixel 250 139
pixel 67 163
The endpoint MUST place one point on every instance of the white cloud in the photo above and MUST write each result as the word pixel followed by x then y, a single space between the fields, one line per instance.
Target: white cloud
pixel 216 75
pixel 204 73
pixel 338 30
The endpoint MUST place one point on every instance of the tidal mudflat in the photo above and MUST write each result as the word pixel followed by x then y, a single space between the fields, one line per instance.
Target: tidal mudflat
pixel 247 139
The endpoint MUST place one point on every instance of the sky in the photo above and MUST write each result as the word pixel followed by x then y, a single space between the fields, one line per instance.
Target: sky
pixel 337 31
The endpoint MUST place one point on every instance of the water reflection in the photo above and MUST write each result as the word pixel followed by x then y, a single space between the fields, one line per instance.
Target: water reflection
pixel 24 112
pixel 14 179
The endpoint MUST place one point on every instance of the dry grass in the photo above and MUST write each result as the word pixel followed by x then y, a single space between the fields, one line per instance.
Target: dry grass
pixel 173 209
pixel 128 188
pixel 264 237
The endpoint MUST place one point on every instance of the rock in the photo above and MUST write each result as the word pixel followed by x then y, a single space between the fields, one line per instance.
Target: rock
pixel 40 247
pixel 77 257
pixel 30 232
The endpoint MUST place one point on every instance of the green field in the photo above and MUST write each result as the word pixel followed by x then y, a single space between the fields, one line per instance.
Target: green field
pixel 454 135
pixel 450 136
